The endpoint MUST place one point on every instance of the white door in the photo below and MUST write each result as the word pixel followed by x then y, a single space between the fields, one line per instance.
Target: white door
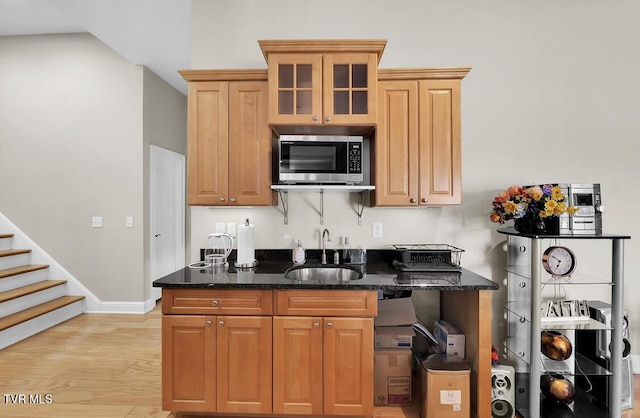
pixel 167 214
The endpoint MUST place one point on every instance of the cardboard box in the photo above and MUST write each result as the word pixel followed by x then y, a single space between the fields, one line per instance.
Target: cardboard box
pixel 392 376
pixel 450 339
pixel 395 312
pixel 445 387
pixel 394 337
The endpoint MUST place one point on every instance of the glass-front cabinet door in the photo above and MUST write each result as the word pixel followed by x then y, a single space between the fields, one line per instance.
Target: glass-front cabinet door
pixel 317 89
pixel 295 86
pixel 350 82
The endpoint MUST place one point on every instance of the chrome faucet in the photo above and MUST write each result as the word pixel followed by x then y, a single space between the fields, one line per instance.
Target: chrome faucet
pixel 324 245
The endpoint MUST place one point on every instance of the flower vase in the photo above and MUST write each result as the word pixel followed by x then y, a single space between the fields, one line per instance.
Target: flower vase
pixel 531 225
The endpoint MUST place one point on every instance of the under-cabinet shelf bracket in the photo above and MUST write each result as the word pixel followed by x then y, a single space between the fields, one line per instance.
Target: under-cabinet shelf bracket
pixel 361 200
pixel 284 198
pixel 321 206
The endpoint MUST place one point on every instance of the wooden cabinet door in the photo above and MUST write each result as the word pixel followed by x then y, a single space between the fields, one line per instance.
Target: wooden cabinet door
pixel 295 89
pixel 440 142
pixel 350 89
pixel 396 144
pixel 297 365
pixel 188 363
pixel 244 375
pixel 348 366
pixel 249 145
pixel 208 154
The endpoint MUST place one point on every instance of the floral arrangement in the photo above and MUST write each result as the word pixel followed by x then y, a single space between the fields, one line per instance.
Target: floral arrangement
pixel 535 201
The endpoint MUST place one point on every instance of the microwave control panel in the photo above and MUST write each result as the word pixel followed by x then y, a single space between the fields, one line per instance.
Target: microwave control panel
pixel 355 157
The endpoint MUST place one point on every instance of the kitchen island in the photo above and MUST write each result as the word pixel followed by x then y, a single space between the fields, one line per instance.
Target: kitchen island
pixel 254 342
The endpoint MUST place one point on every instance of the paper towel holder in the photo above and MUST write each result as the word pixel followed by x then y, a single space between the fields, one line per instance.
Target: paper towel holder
pixel 249 264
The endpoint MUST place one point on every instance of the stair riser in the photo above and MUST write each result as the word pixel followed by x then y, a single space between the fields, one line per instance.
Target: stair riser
pixel 26 329
pixel 25 302
pixel 14 282
pixel 14 261
pixel 5 243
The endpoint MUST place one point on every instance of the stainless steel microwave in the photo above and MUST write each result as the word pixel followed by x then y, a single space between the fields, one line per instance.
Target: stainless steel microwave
pixel 320 159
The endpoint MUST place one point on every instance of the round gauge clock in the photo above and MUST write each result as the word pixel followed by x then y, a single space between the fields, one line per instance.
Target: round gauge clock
pixel 559 261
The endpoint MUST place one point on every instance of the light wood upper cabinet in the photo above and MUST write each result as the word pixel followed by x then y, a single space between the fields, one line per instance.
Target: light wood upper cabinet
pixel 418 141
pixel 229 140
pixel 322 83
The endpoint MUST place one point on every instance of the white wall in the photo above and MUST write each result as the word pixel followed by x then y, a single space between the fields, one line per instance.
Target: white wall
pixel 71 147
pixel 551 97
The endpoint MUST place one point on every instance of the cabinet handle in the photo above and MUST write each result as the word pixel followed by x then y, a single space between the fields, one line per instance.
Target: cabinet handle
pixel 316 325
pixel 423 200
pixel 412 200
pixel 221 323
pixel 329 324
pixel 328 118
pixel 222 199
pixel 208 323
pixel 232 200
pixel 214 302
pixel 316 118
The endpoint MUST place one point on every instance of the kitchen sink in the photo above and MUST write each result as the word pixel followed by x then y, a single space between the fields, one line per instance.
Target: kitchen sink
pixel 323 273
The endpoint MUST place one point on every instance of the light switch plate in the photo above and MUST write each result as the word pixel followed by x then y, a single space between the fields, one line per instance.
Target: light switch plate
pixel 96 222
pixel 231 229
pixel 220 227
pixel 129 222
pixel 376 230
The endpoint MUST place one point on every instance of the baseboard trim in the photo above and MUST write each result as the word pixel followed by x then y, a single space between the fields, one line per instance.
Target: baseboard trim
pixel 122 307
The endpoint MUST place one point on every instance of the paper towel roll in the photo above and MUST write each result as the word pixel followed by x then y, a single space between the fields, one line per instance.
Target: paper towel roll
pixel 246 244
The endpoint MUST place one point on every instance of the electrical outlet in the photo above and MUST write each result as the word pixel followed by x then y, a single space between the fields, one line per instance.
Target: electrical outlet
pixel 220 227
pixel 376 230
pixel 231 229
pixel 129 222
pixel 96 222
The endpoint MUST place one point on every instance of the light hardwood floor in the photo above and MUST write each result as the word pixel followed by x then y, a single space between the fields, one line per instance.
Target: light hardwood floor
pixel 104 366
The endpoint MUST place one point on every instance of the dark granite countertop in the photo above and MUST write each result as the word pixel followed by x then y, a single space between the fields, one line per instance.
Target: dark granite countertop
pixel 378 273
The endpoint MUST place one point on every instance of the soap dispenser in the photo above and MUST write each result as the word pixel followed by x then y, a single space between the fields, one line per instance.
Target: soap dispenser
pixel 298 255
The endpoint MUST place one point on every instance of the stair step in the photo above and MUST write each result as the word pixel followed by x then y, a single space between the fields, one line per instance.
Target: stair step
pixel 29 289
pixel 9 253
pixel 21 270
pixel 6 235
pixel 36 311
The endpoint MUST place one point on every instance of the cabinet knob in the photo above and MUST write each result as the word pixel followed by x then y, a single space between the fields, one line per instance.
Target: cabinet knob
pixel 522 248
pixel 214 302
pixel 232 200
pixel 316 325
pixel 328 118
pixel 329 324
pixel 221 323
pixel 222 199
pixel 522 284
pixel 208 323
pixel 423 200
pixel 413 200
pixel 522 320
pixel 316 118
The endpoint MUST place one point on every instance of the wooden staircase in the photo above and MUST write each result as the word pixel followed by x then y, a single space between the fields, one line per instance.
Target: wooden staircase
pixel 30 301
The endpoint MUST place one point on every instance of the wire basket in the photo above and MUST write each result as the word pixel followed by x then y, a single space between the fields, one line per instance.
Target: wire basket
pixel 429 256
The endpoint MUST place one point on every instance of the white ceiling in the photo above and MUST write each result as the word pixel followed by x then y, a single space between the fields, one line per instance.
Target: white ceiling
pixel 153 33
